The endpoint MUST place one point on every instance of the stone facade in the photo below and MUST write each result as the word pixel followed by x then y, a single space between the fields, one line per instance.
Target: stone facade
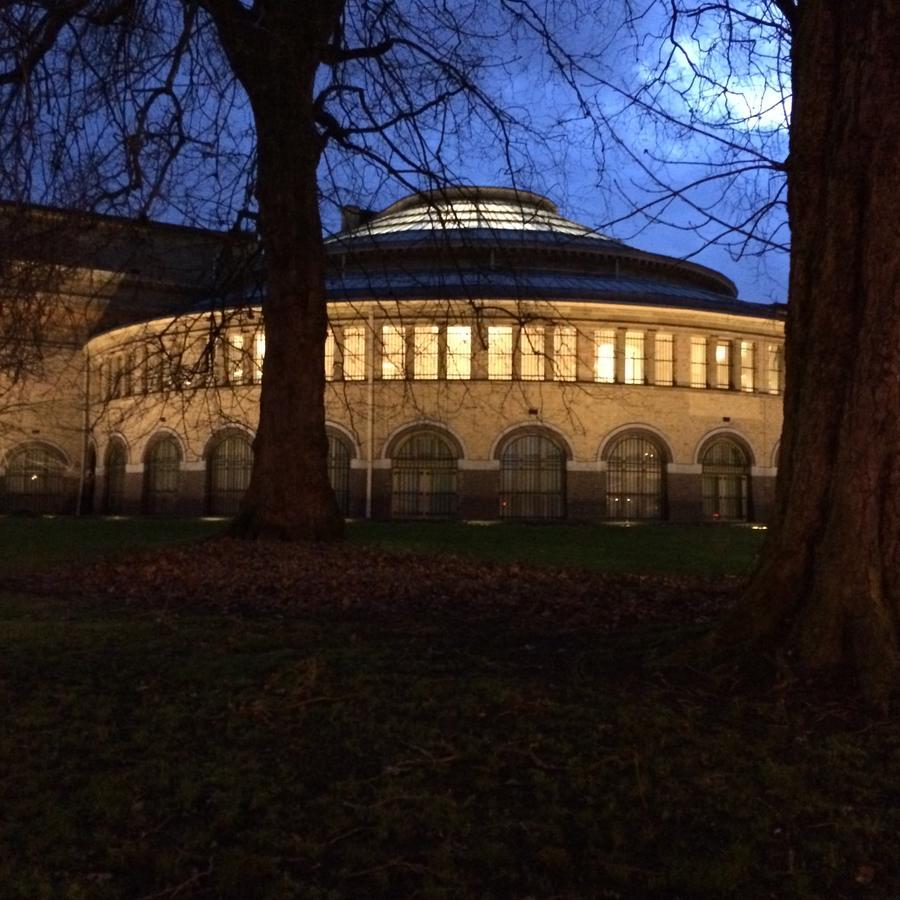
pixel 587 381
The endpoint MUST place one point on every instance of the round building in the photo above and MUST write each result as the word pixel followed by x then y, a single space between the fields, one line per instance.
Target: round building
pixel 486 359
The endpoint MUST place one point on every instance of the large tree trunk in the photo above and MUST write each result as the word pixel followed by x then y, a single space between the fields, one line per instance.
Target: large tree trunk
pixel 827 593
pixel 276 56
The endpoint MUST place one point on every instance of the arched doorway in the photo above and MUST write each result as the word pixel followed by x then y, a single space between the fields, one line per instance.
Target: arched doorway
pixel 161 470
pixel 35 480
pixel 726 481
pixel 228 467
pixel 532 478
pixel 339 455
pixel 424 468
pixel 114 470
pixel 635 479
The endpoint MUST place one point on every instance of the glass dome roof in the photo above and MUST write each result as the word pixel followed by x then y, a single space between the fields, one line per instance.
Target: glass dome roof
pixel 464 208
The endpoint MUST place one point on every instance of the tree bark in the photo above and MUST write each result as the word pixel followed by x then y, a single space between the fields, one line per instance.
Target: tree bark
pixel 827 593
pixel 275 54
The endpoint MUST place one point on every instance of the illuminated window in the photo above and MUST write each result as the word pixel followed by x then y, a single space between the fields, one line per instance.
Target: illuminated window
pixel 723 364
pixel 726 481
pixel 34 480
pixel 143 364
pixel 354 352
pixel 698 362
pixel 236 363
pixel 329 355
pixel 748 365
pixel 156 365
pixel 393 352
pixel 605 355
pixel 776 369
pixel 129 374
pixel 259 354
pixel 228 473
pixel 175 373
pixel 425 351
pixel 565 359
pixel 665 359
pixel 459 352
pixel 635 484
pixel 531 353
pixel 532 479
pixel 634 357
pixel 118 376
pixel 500 352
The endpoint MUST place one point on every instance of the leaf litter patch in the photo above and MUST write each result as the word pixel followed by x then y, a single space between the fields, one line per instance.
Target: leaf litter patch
pixel 268 577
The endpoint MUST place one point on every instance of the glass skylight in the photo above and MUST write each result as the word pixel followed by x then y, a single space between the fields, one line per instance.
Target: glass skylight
pixel 471 214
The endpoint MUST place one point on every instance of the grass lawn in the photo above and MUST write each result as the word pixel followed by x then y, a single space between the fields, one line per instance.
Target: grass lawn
pixel 165 751
pixel 39 542
pixel 669 549
pixel 663 549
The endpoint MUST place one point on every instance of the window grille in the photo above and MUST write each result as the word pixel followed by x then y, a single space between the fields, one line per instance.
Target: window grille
pixel 161 477
pixel 259 354
pixel 114 490
pixel 776 368
pixel 425 352
pixel 393 352
pixel 129 374
pixel 726 481
pixel 236 363
pixel 118 377
pixel 354 352
pixel 35 480
pixel 532 479
pixel 424 476
pixel 698 362
pixel 229 466
pixel 145 367
pixel 565 358
pixel 634 357
pixel 500 352
pixel 605 355
pixel 459 352
pixel 748 366
pixel 635 479
pixel 665 359
pixel 339 472
pixel 723 365
pixel 329 355
pixel 531 353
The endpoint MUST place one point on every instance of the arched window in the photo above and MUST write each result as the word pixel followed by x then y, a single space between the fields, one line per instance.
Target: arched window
pixel 532 478
pixel 339 454
pixel 635 479
pixel 726 481
pixel 35 480
pixel 424 478
pixel 114 491
pixel 161 477
pixel 228 474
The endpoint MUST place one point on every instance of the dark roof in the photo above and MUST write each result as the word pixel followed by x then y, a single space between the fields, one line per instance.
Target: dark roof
pixel 534 285
pixel 436 239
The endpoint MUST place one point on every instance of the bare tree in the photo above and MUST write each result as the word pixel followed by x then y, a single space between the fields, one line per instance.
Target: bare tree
pixel 221 112
pixel 742 76
pixel 828 590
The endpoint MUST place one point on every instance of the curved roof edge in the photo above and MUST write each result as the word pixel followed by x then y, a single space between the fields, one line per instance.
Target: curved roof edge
pixel 639 293
pixel 471 192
